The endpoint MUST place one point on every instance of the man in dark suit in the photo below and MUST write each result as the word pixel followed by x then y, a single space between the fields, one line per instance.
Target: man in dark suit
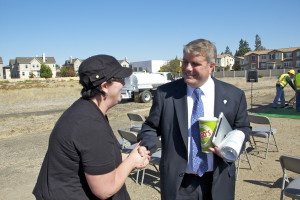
pixel 171 118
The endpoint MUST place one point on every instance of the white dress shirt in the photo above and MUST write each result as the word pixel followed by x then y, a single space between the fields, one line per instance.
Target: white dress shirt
pixel 208 99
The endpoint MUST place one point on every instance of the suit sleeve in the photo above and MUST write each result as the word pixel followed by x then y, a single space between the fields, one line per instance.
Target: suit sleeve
pixel 150 129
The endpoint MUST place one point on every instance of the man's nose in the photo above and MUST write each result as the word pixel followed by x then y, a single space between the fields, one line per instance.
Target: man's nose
pixel 188 66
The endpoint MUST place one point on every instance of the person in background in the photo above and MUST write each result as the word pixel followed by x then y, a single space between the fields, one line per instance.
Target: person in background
pixel 297 86
pixel 185 171
pixel 282 81
pixel 83 160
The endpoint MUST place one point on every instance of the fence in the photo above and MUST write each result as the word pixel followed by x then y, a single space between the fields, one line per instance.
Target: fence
pixel 261 73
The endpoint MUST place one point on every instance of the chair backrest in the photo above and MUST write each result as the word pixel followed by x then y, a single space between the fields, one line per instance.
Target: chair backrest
pixel 128 135
pixel 134 117
pixel 259 119
pixel 291 163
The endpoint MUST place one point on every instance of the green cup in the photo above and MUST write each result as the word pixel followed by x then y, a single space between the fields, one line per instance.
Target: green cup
pixel 207 127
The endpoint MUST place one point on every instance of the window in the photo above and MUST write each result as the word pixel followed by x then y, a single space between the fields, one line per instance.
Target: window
pixel 33 66
pixel 37 66
pixel 270 66
pixel 298 63
pixel 253 66
pixel 288 55
pixel 26 66
pixel 263 57
pixel 278 55
pixel 253 58
pixel 263 66
pixel 23 73
pixel 287 64
pixel 298 54
pixel 272 56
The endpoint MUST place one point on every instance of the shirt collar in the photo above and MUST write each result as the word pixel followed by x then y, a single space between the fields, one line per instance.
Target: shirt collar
pixel 206 87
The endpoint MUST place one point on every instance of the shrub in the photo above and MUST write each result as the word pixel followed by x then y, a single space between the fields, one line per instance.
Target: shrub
pixel 67 71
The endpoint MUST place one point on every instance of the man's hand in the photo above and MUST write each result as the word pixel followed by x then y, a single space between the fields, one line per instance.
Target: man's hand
pixel 143 151
pixel 216 150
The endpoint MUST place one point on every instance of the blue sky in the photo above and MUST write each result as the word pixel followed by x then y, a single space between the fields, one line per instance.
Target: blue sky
pixel 141 29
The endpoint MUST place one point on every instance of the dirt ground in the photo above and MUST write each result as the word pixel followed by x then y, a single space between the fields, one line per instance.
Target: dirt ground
pixel 29 111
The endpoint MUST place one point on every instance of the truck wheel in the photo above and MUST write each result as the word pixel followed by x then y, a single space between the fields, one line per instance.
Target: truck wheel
pixel 145 96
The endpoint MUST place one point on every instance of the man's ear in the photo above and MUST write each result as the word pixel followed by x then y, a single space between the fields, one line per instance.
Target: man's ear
pixel 211 66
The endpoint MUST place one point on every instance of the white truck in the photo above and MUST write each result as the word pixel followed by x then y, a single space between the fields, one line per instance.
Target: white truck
pixel 140 86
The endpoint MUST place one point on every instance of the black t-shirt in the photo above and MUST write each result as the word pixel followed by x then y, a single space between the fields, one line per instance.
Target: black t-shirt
pixel 82 141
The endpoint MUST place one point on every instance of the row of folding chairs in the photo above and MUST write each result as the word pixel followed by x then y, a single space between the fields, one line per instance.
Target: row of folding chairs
pixel 262 138
pixel 129 141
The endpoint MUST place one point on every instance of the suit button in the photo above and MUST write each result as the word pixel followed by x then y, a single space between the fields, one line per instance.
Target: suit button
pixel 181 174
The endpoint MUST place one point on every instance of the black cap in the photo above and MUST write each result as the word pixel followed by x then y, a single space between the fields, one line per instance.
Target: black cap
pixel 97 69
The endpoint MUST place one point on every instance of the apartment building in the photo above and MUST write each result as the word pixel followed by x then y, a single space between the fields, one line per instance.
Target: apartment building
pixel 272 59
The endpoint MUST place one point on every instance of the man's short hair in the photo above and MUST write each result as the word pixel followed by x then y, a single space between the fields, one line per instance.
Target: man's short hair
pixel 202 46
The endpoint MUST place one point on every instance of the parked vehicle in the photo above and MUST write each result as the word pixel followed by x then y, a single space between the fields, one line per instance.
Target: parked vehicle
pixel 140 86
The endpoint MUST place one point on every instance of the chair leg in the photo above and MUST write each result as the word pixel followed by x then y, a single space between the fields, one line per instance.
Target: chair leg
pixel 238 168
pixel 275 142
pixel 248 159
pixel 143 175
pixel 253 142
pixel 267 147
pixel 137 176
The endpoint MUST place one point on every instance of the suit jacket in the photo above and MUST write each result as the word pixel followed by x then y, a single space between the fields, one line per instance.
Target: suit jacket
pixel 168 118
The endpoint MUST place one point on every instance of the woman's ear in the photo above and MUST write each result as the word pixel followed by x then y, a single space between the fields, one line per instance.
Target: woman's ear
pixel 104 87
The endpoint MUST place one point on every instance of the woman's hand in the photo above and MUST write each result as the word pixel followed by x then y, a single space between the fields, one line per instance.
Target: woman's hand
pixel 140 161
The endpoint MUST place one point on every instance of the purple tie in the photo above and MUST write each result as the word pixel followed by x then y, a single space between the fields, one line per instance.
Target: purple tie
pixel 199 159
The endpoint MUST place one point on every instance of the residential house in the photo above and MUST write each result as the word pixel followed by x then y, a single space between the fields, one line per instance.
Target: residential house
pixel 1 69
pixel 124 63
pixel 148 66
pixel 6 72
pixel 224 62
pixel 273 59
pixel 26 67
pixel 14 72
pixel 74 62
pixel 239 60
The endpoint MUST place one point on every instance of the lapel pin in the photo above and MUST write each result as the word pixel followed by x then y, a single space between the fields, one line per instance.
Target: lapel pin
pixel 225 101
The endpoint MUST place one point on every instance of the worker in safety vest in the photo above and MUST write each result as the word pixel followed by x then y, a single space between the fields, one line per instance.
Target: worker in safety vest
pixel 282 81
pixel 297 84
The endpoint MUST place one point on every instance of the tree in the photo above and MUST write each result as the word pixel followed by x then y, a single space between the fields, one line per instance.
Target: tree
pixel 236 66
pixel 45 71
pixel 172 66
pixel 67 71
pixel 227 51
pixel 258 46
pixel 243 48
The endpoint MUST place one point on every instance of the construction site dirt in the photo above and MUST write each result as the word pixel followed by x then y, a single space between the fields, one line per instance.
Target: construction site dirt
pixel 29 110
